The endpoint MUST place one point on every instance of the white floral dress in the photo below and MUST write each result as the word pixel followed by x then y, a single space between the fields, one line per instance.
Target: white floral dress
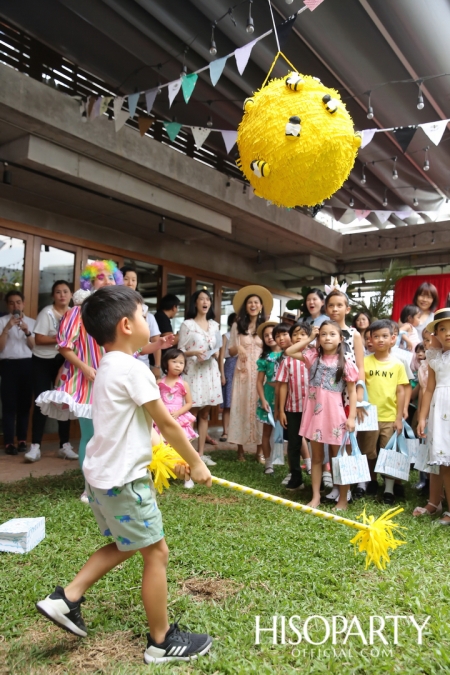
pixel 203 377
pixel 438 435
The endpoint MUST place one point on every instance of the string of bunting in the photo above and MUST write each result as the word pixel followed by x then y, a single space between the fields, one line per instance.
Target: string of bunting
pixel 404 135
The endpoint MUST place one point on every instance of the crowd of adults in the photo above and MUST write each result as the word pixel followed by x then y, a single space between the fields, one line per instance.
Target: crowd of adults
pixel 221 369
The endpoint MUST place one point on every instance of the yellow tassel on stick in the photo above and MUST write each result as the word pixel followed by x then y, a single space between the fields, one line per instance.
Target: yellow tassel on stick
pixel 375 537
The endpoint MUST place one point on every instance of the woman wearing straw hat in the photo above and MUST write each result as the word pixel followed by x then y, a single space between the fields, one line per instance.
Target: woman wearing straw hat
pixel 252 304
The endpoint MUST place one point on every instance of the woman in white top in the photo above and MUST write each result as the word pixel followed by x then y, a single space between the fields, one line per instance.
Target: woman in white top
pixel 200 340
pixel 47 362
pixel 427 300
pixel 315 304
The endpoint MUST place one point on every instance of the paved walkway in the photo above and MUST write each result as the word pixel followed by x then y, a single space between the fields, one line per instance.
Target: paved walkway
pixel 13 468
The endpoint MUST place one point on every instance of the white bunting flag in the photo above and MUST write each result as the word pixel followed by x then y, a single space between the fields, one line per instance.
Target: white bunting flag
pixel 403 214
pixel 435 130
pixel 382 216
pixel 362 213
pixel 229 138
pixel 200 135
pixel 117 105
pixel 367 136
pixel 120 119
pixel 242 56
pixel 430 214
pixel 174 88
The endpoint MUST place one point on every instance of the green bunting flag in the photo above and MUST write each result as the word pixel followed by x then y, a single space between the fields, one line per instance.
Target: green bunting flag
pixel 173 129
pixel 188 83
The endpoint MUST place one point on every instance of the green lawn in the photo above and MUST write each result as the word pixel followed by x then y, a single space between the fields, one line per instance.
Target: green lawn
pixel 232 557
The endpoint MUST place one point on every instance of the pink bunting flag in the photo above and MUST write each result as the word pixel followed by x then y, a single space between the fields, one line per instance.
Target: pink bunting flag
pixel 174 88
pixel 367 136
pixel 229 138
pixel 362 213
pixel 435 130
pixel 243 54
pixel 312 4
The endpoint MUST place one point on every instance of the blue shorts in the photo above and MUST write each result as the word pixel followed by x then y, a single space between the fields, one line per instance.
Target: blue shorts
pixel 128 513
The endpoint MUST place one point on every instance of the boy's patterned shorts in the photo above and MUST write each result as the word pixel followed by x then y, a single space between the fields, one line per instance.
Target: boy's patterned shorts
pixel 128 513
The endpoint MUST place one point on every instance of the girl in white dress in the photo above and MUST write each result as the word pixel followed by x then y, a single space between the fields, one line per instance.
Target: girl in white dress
pixel 436 402
pixel 200 340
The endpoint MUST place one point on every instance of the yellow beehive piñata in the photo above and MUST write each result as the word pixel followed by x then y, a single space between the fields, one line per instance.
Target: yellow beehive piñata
pixel 296 141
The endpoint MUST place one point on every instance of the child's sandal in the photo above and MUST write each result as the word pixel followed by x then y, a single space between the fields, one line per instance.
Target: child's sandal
pixel 423 511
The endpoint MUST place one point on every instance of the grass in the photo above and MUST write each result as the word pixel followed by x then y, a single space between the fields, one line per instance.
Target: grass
pixel 232 557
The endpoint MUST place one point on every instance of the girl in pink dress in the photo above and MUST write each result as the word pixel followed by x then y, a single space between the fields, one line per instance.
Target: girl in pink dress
pixel 324 420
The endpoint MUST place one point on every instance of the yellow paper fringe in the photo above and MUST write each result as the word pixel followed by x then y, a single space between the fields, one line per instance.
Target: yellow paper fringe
pixel 164 460
pixel 378 538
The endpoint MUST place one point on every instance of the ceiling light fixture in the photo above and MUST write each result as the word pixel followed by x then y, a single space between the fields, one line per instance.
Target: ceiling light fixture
pixel 363 175
pixel 432 236
pixel 213 46
pixel 250 27
pixel 420 103
pixel 162 225
pixel 426 164
pixel 369 108
pixel 210 122
pixel 385 200
pixel 415 200
pixel 259 257
pixel 7 174
pixel 394 170
pixel 351 202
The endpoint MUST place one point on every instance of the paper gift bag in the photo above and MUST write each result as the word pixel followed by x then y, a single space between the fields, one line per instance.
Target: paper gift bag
pixel 370 422
pixel 349 469
pixel 412 443
pixel 276 442
pixel 422 457
pixel 393 460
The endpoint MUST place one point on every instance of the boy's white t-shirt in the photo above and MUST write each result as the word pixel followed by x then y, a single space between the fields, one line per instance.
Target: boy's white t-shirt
pixel 121 448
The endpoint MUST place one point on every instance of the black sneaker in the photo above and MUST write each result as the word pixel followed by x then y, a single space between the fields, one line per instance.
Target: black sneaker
pixel 388 498
pixel 399 490
pixel 22 447
pixel 63 612
pixel 295 482
pixel 11 449
pixel 178 646
pixel 358 492
pixel 372 488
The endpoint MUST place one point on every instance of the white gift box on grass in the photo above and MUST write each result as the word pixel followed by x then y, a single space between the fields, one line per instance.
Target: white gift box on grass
pixel 21 535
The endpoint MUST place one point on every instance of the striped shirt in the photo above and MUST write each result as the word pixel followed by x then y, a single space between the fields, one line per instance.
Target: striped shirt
pixel 295 374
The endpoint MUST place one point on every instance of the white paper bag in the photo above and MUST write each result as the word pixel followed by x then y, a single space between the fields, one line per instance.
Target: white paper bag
pixel 412 443
pixel 422 457
pixel 350 469
pixel 370 422
pixel 393 460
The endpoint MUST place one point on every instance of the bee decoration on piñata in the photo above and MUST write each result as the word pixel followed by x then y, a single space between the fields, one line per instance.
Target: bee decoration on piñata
pixel 296 141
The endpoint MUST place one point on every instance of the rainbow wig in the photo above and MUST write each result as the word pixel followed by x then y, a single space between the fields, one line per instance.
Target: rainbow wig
pixel 93 269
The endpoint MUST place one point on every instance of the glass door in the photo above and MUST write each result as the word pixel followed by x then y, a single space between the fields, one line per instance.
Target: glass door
pixel 12 265
pixel 55 264
pixel 177 285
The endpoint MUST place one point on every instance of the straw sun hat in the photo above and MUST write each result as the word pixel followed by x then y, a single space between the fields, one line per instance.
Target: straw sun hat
pixel 263 327
pixel 440 315
pixel 260 291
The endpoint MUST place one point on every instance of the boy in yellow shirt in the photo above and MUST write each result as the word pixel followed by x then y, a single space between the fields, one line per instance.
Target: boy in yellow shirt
pixel 385 381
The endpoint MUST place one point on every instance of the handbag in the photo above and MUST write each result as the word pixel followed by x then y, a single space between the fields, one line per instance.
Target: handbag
pixel 370 422
pixel 422 457
pixel 393 460
pixel 349 469
pixel 412 443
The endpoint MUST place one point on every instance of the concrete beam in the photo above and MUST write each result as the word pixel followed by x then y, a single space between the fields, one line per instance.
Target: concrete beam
pixel 293 262
pixel 51 158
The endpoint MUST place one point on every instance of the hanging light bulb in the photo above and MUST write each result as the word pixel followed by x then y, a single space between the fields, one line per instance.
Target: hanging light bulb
pixel 363 175
pixel 259 259
pixel 369 109
pixel 7 174
pixel 289 2
pixel 415 200
pixel 420 103
pixel 432 237
pixel 385 200
pixel 394 170
pixel 183 70
pixel 426 164
pixel 210 122
pixel 351 203
pixel 250 27
pixel 162 225
pixel 212 46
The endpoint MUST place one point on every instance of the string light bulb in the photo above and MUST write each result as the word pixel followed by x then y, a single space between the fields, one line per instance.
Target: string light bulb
pixel 426 164
pixel 432 237
pixel 183 70
pixel 363 175
pixel 162 225
pixel 369 108
pixel 415 200
pixel 213 46
pixel 250 27
pixel 394 170
pixel 351 203
pixel 7 174
pixel 259 259
pixel 420 103
pixel 289 2
pixel 210 122
pixel 385 200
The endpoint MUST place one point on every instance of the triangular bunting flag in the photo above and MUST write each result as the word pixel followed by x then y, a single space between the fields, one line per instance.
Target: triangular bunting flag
pixel 174 88
pixel 173 129
pixel 337 213
pixel 403 214
pixel 216 69
pixel 188 84
pixel 90 105
pixel 429 214
pixel 120 119
pixel 382 216
pixel 117 105
pixel 312 4
pixel 284 31
pixel 404 136
pixel 95 112
pixel 435 130
pixel 132 103
pixel 367 136
pixel 362 213
pixel 251 193
pixel 144 123
pixel 106 100
pixel 200 135
pixel 150 96
pixel 242 56
pixel 229 138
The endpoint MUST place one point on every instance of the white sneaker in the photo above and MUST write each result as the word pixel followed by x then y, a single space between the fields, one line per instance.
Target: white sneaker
pixel 286 480
pixel 208 461
pixel 34 453
pixel 189 484
pixel 349 495
pixel 333 496
pixel 327 479
pixel 84 498
pixel 66 452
